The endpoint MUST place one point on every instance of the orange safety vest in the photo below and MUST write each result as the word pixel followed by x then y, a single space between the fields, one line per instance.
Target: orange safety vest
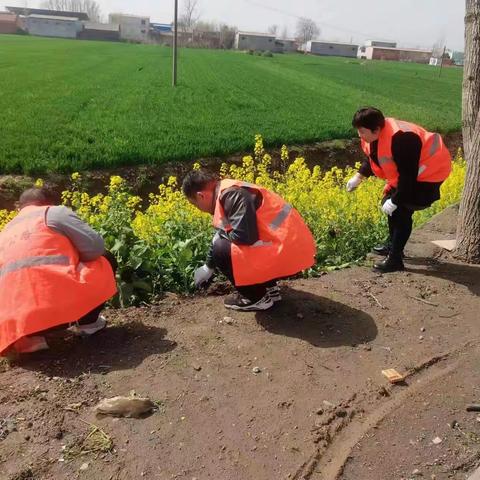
pixel 42 282
pixel 435 161
pixel 285 246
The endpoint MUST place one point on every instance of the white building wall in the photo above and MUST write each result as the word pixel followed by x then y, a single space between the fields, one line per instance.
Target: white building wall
pixel 332 49
pixel 52 28
pixel 246 41
pixel 131 27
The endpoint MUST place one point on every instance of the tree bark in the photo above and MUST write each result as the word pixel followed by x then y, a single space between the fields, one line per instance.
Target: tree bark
pixel 468 227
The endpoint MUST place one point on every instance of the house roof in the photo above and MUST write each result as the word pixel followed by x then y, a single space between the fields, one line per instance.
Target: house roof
pixel 326 42
pixel 380 41
pixel 106 27
pixel 254 34
pixel 129 16
pixel 54 17
pixel 44 11
pixel 402 49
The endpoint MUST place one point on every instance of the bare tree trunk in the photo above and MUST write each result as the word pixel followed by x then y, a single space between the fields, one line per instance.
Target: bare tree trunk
pixel 468 228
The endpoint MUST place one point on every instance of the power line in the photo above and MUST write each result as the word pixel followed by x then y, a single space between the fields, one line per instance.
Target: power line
pixel 334 27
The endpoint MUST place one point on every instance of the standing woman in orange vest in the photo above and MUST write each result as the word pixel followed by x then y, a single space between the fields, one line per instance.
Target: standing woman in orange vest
pixel 53 271
pixel 259 238
pixel 414 164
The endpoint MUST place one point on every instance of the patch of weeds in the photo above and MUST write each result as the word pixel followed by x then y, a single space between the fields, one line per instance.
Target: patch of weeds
pixel 96 441
pixel 25 474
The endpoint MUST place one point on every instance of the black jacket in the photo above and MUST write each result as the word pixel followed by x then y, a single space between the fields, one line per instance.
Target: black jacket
pixel 406 151
pixel 240 206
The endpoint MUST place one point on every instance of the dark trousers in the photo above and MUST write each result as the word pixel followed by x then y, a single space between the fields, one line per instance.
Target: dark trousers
pixel 222 259
pixel 400 225
pixel 93 315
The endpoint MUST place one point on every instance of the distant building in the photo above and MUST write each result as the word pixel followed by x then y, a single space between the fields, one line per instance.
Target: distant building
pixel 397 54
pixel 254 41
pixel 378 43
pixel 52 26
pixel 43 11
pixel 99 31
pixel 374 43
pixel 285 45
pixel 316 47
pixel 161 27
pixel 8 22
pixel 458 58
pixel 132 27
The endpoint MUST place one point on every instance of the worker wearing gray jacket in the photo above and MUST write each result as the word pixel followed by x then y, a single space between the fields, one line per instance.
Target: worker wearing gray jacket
pixel 54 271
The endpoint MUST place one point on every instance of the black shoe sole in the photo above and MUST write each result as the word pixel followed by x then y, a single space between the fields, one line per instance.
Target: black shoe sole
pixel 250 308
pixel 387 270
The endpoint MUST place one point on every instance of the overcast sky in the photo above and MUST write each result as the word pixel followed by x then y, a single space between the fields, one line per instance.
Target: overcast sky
pixel 412 23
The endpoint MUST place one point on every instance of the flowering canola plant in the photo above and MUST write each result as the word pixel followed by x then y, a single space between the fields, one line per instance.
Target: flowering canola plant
pixel 159 241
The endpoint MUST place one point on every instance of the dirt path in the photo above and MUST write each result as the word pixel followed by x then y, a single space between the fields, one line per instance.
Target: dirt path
pixel 318 409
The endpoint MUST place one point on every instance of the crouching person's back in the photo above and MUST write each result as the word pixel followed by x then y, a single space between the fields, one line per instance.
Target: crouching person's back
pixel 54 271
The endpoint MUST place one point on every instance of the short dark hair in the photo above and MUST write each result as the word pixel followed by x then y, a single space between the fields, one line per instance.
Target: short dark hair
pixel 36 196
pixel 368 117
pixel 196 181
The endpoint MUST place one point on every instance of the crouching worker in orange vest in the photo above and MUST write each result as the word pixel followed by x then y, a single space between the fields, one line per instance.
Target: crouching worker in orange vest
pixel 414 164
pixel 52 272
pixel 260 238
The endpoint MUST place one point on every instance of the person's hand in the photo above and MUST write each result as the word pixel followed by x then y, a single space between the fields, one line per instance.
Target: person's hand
pixel 389 207
pixel 202 275
pixel 354 182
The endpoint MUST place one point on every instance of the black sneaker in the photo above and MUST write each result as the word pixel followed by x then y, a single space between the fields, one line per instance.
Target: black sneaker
pixel 238 302
pixel 390 264
pixel 381 249
pixel 274 293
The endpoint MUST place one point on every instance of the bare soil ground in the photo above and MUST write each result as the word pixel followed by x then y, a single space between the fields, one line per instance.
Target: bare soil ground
pixel 317 407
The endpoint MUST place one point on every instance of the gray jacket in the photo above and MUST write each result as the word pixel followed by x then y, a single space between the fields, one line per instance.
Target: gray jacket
pixel 88 242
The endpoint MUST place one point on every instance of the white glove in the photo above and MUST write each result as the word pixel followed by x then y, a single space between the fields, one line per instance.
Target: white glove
pixel 389 207
pixel 202 275
pixel 354 182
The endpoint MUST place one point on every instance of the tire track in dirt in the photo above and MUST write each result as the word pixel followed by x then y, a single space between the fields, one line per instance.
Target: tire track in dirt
pixel 338 440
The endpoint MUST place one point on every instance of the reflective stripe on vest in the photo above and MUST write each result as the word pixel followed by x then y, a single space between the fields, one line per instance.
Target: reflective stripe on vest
pixel 385 161
pixel 404 126
pixel 435 145
pixel 281 216
pixel 34 262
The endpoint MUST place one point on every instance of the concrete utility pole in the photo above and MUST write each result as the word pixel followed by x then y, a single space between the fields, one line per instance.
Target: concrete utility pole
pixel 175 31
pixel 441 60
